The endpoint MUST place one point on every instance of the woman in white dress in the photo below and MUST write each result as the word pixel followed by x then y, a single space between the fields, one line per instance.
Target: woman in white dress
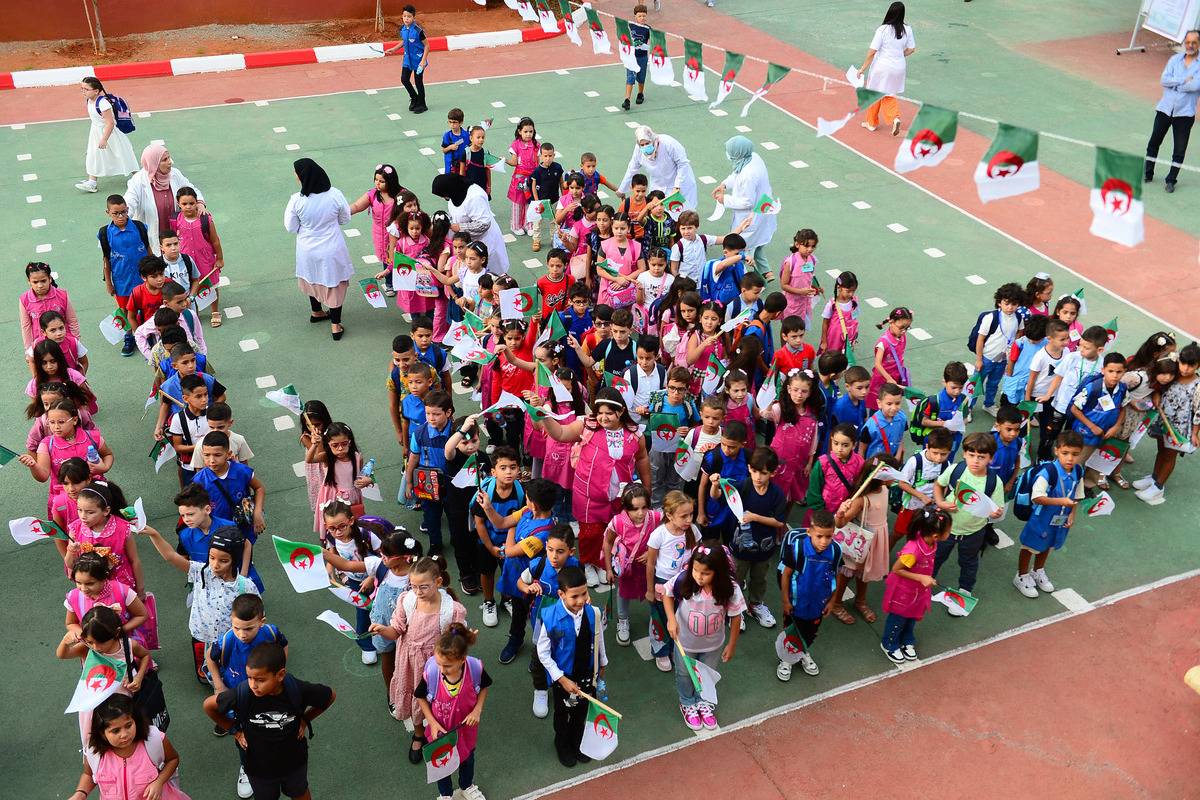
pixel 740 192
pixel 471 213
pixel 665 164
pixel 893 43
pixel 151 192
pixel 316 215
pixel 108 150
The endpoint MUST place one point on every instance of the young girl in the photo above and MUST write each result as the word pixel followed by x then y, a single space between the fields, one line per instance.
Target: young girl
pixel 551 356
pixel 66 440
pixel 515 350
pixel 702 343
pixel 909 590
pixel 556 464
pixel 698 602
pixel 626 543
pixel 569 207
pixel 53 327
pixel 94 587
pixel 618 286
pixel 408 234
pixel 747 357
pixel 422 614
pixel 831 481
pixel 50 364
pixel 1179 408
pixel 381 200
pixel 451 694
pixel 839 320
pixel 796 414
pixel 43 295
pixel 869 509
pixel 677 316
pixel 597 236
pixel 198 239
pixel 341 470
pixel 101 529
pixel 315 418
pixel 739 403
pixel 522 157
pixel 576 232
pixel 1037 295
pixel 1143 385
pixel 353 541
pixel 796 275
pixel 74 475
pixel 439 253
pixel 126 757
pixel 667 550
pixel 108 149
pixel 1067 310
pixel 889 354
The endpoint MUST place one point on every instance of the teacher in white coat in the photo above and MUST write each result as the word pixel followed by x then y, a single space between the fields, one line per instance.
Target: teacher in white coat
pixel 740 193
pixel 150 193
pixel 893 43
pixel 316 215
pixel 471 213
pixel 665 164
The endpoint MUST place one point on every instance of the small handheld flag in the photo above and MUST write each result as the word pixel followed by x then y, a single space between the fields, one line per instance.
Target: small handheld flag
pixel 370 290
pixel 663 430
pixel 732 498
pixel 704 678
pixel 674 204
pixel 468 474
pixel 789 645
pixel 441 757
pixel 974 502
pixel 686 462
pixel 286 397
pixel 957 597
pixel 303 563
pixel 524 301
pixel 352 596
pixel 714 373
pixel 1099 506
pixel 27 530
pixel 115 326
pixel 335 621
pixel 161 454
pixel 599 732
pixel 7 455
pixel 100 678
pixel 494 163
pixel 1108 456
pixel 767 205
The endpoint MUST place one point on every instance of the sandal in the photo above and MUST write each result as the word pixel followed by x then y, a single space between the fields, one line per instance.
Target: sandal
pixel 842 615
pixel 415 756
pixel 215 319
pixel 318 317
pixel 1120 481
pixel 867 614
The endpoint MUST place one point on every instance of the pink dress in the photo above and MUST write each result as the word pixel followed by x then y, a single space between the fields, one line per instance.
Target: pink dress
pixel 414 302
pixel 527 161
pixel 445 296
pixel 60 450
pixel 108 542
pixel 793 443
pixel 114 593
pixel 701 364
pixel 1074 334
pixel 193 243
pixel 904 596
pixel 451 711
pixel 32 307
pixel 70 348
pixel 381 212
pixel 833 491
pixel 893 361
pixel 417 639
pixel 798 274
pixel 875 519
pixel 557 465
pixel 626 263
pixel 344 473
pixel 843 327
pixel 630 544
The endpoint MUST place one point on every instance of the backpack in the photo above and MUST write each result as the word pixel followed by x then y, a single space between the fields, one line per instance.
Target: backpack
pixel 432 674
pixel 973 336
pixel 1092 388
pixel 960 469
pixel 927 408
pixel 1023 501
pixel 744 328
pixel 715 287
pixel 121 112
pixel 291 691
pixel 920 468
pixel 632 372
pixel 222 642
pixel 488 486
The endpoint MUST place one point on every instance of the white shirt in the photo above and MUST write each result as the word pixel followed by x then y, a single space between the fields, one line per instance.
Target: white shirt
pixel 923 483
pixel 888 69
pixel 476 210
pixel 646 384
pixel 390 578
pixel 349 551
pixel 997 340
pixel 543 646
pixel 182 270
pixel 654 287
pixel 237 445
pixel 1045 366
pixel 196 428
pixel 691 255
pixel 672 551
pixel 1074 370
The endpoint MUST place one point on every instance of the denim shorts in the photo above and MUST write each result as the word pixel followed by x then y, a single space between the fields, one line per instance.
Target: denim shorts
pixel 643 59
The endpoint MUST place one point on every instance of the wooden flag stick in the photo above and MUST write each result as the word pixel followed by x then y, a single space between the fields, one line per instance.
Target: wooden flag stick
pixel 868 480
pixel 172 399
pixel 607 708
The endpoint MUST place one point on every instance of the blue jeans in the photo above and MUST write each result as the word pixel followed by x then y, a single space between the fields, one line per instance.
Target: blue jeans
pixel 362 620
pixel 969 549
pixel 667 646
pixel 466 777
pixel 993 372
pixel 562 509
pixel 639 77
pixel 688 696
pixel 898 631
pixel 431 519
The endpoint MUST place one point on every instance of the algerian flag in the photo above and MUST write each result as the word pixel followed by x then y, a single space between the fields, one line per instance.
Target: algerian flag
pixel 441 757
pixel 663 430
pixel 674 204
pixel 619 383
pixel 957 597
pixel 569 23
pixel 789 645
pixel 473 322
pixel 352 596
pixel 371 291
pixel 549 380
pixel 101 677
pixel 733 65
pixel 335 621
pixel 1139 433
pixel 704 677
pixel 883 472
pixel 1111 329
pixel 769 391
pixel 600 43
pixel 1078 295
pixel 135 515
pixel 469 349
pixel 520 302
pixel 1170 431
pixel 207 294
pixel 714 372
pixel 455 334
pixel 686 463
pixel 494 163
pixel 27 530
pixel 929 141
pixel 286 397
pixel 607 269
pixel 693 70
pixel 1108 456
pixel 115 326
pixel 161 454
pixel 775 74
pixel 6 455
pixel 625 46
pixel 542 208
pixel 546 16
pixel 768 206
pixel 732 498
pixel 1027 408
pixel 525 9
pixel 510 400
pixel 974 502
pixel 404 274
pixel 599 733
pixel 303 563
pixel 1010 166
pixel 745 316
pixel 863 98
pixel 1099 506
pixel 662 72
pixel 973 385
pixel 468 474
pixel 914 398
pixel 1117 198
pixel 553 331
pixel 956 423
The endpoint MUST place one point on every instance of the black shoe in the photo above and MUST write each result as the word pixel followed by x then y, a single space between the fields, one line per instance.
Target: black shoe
pixel 337 335
pixel 220 731
pixel 1149 177
pixel 625 104
pixel 412 104
pixel 567 759
pixel 416 756
pixel 582 759
pixel 129 347
pixel 469 587
pixel 1170 187
pixel 641 98
pixel 509 653
pixel 421 109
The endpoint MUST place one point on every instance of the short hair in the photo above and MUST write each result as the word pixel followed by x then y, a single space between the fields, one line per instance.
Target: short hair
pixel 167 234
pixel 639 179
pixel 752 280
pixel 940 439
pixel 247 607
pixel 410 8
pixel 269 656
pixel 504 453
pixel 688 217
pixel 1008 415
pixel 151 265
pixel 191 383
pixel 165 317
pixel 681 374
pixel 1096 335
pixel 650 343
pixel 844 429
pixel 889 390
pixel 216 439
pixel 586 157
pixel 418 368
pixel 979 442
pixel 171 290
pixel 713 402
pixel 219 412
pixel 193 496
pixel 640 9
pixel 1035 327
pixel 602 312
pixel 1011 292
pixel 542 493
pixel 775 303
pixel 623 318
pixel 571 578
pixel 1069 438
pixel 1113 358
pixel 402 343
pixel 831 362
pixel 821 518
pixel 955 372
pixel 563 533
pixel 439 399
pixel 114 200
pixel 172 336
pixel 455 115
pixel 763 459
pixel 856 374
pixel 546 147
pixel 1055 326
pixel 733 242
pixel 422 322
pixel 792 324
pixel 657 194
pixel 735 431
pixel 559 253
pixel 180 350
pixel 579 289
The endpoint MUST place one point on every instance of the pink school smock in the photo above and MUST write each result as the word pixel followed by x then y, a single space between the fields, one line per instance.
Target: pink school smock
pixel 893 361
pixel 381 212
pixel 632 541
pixel 798 274
pixel 793 442
pixel 598 473
pixel 32 307
pixel 409 300
pixel 904 596
pixel 527 161
pixel 556 466
pixel 837 337
pixel 193 244
pixel 626 263
pixel 451 711
pixel 60 450
pixel 108 542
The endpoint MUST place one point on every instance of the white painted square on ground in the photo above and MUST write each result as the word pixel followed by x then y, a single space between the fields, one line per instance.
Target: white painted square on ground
pixel 876 302
pixel 642 646
pixel 233 312
pixel 590 93
pixel 279 129
pixel 265 381
pixel 370 91
pixel 600 193
pixel 632 124
pixel 514 120
pixel 707 180
pixel 611 109
pixel 933 252
pixel 497 104
pixel 29 176
pixel 33 198
pixel 473 81
pixel 861 205
pixel 833 273
pixel 509 238
pixel 426 151
pixel 742 128
pixel 896 227
pixel 1005 539
pixel 561 72
pixel 24 157
pixel 532 263
pixel 1072 600
pixel 829 184
pixel 393 117
pixel 410 134
pixel 769 146
pixel 158 141
pixel 291 147
pixel 351 232
pixel 261 103
pixel 20 126
pixel 977 280
pixel 370 259
pixel 298 469
pixel 223 282
pixel 248 344
pixel 38 223
pixel 920 334
pixel 798 164
pixel 140 115
pixel 718 112
pixel 43 248
pixel 284 423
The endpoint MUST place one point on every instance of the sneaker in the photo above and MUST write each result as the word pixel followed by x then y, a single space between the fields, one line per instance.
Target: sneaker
pixel 691 717
pixel 1042 581
pixel 1143 483
pixel 509 653
pixel 1025 585
pixel 1152 496
pixel 129 347
pixel 489 614
pixel 910 652
pixel 421 109
pixel 955 610
pixel 220 731
pixel 784 671
pixel 762 615
pixel 243 785
pixel 602 577
pixel 370 657
pixel 472 792
pixel 541 703
pixel 468 586
pixel 869 126
pixel 664 664
pixel 742 624
pixel 993 410
pixel 895 656
pixel 625 104
pixel 508 607
pixel 593 578
pixel 708 716
pixel 623 631
pixel 519 232
pixel 641 98
pixel 808 665
pixel 389 292
pixel 896 127
pixel 86 186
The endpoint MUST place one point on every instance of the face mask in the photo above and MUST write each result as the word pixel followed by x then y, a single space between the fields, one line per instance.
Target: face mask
pixel 648 149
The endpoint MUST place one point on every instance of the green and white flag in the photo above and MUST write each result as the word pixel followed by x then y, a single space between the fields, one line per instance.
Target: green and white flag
pixel 607 269
pixel 525 9
pixel 729 73
pixel 599 733
pixel 674 204
pixel 100 678
pixel 693 70
pixel 545 16
pixel 622 386
pixel 745 316
pixel 714 373
pixel 7 455
pixel 373 294
pixel 663 430
pixel 662 72
pixel 553 331
pixel 625 46
pixel 1108 456
pixel 547 379
pixel 570 24
pixel 335 621
pixel 519 303
pixel 1142 429
pixel 477 325
pixel 470 350
pixel 687 464
pixel 775 74
pixel 1099 506
pixel 768 206
pixel 863 98
pixel 704 678
pixel 135 515
pixel 1010 166
pixel 441 757
pixel 929 141
pixel 957 597
pixel 115 326
pixel 286 397
pixel 468 474
pixel 352 596
pixel 303 563
pixel 732 498
pixel 542 208
pixel 1078 295
pixel 27 530
pixel 600 44
pixel 494 163
pixel 789 645
pixel 769 391
pixel 1111 330
pixel 974 502
pixel 1117 211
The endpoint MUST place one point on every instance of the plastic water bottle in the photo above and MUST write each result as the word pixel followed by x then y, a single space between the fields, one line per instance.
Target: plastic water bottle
pixel 602 690
pixel 368 470
pixel 93 455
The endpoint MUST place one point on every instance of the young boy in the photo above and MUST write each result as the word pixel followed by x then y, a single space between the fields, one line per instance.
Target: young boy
pixel 1016 373
pixel 178 267
pixel 1042 381
pixel 760 326
pixel 1098 411
pixel 944 409
pixel 474 166
pixel 147 297
pixel 183 364
pixel 1057 488
pixel 504 496
pixel 967 529
pixel 917 476
pixel 230 485
pixel 403 357
pixel 997 331
pixel 639 32
pixel 427 450
pixel 189 425
pixel 195 511
pixel 728 462
pixel 722 276
pixel 634 205
pixel 1009 446
pixel 539 582
pixel 808 563
pixel 691 251
pixel 123 245
pixel 1073 371
pixel 749 296
pixel 647 378
pixel 658 229
pixel 454 143
pixel 226 658
pixel 412 405
pixel 556 284
pixel 796 354
pixel 674 401
pixel 615 353
pixel 592 179
pixel 830 368
pixel 763 523
pixel 416 58
pixel 430 353
pixel 570 648
pixel 546 183
pixel 148 335
pixel 271 714
pixel 883 431
pixel 577 319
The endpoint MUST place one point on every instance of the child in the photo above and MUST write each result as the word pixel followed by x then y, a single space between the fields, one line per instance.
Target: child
pixel 579 221
pixel 613 354
pixel 795 353
pixel 95 587
pixel 74 476
pixel 195 512
pixel 626 543
pixel 763 522
pixel 967 531
pixel 53 328
pixel 1179 406
pixel 454 143
pixel 851 408
pixel 539 581
pixel 403 356
pixel 43 295
pixel 451 702
pixel 831 481
pixel 225 660
pixel 945 409
pixel 919 473
pixel 504 496
pixel 592 179
pixel 760 328
pixel 839 319
pixel 1147 375
pixel 183 362
pixel 125 756
pixel 909 591
pixel 1016 371
pixel 1072 372
pixel 462 446
pixel 658 229
pixel 49 363
pixel 314 419
pixel 178 267
pixel 1057 488
pixel 354 542
pixel 639 33
pixel 1042 382
pixel 690 252
pixel 1010 444
pixel 341 470
pixel 416 58
pixel 408 236
pixel 545 183
pixel 618 285
pixel 220 418
pixel 889 354
pixel 230 486
pixel 673 401
pixel 727 462
pixel 667 549
pixel 272 713
pixel 381 200
pixel 749 297
pixel 188 427
pixel 868 507
pixel 722 277
pixel 634 205
pixel 739 403
pixel 123 245
pixel 198 238
pixel 702 343
pixel 796 415
pixel 655 282
pixel 555 284
pixel 648 380
pixel 412 405
pixel 426 449
pixel 808 561
pixel 429 353
pixel 48 394
pixel 883 432
pixel 66 440
pixel 475 167
pixel 1098 409
pixel 997 330
pixel 101 528
pixel 1038 292
pixel 797 274
pixel 523 158
pixel 570 647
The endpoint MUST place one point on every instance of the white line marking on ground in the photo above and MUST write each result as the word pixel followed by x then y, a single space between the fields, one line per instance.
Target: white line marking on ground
pixel 426 151
pixel 233 312
pixel 410 133
pixel 861 205
pixel 158 141
pixel 473 81
pixel 707 180
pixel 291 147
pixel 370 91
pixel 298 468
pixel 43 248
pixel 24 157
pixel 876 302
pixel 29 176
pixel 393 117
pixel 1072 600
pixel 769 146
pixel 279 130
pixel 514 120
pixel 532 263
pixel 976 280
pixel 37 223
pixel 631 124
pixel 143 114
pixel 896 227
pixel 284 423
pixel 561 72
pixel 20 126
pixel 611 109
pixel 1005 539
pixel 829 184
pixel 933 252
pixel 33 198
pixel 261 103
pixel 372 259
pixel 351 232
pixel 265 382
pixel 509 238
pixel 248 344
pixel 920 334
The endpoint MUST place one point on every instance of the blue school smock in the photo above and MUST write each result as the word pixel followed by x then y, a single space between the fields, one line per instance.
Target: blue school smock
pixel 527 526
pixel 1047 528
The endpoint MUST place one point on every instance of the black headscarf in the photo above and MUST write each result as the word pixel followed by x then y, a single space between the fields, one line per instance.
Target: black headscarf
pixel 313 179
pixel 451 187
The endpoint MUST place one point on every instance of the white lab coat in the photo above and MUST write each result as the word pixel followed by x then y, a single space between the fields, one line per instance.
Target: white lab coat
pixel 471 216
pixel 140 199
pixel 321 255
pixel 742 190
pixel 889 68
pixel 668 169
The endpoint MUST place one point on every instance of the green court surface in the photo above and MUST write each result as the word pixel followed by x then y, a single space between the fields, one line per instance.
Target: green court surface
pixel 943 264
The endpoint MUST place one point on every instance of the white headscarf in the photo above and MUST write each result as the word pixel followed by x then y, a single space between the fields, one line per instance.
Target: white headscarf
pixel 645 134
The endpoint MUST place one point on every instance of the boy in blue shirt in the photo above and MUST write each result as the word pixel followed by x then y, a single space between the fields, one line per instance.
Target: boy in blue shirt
pixel 940 409
pixel 809 561
pixel 428 352
pixel 183 361
pixel 883 431
pixel 195 511
pixel 674 400
pixel 1098 411
pixel 504 495
pixel 416 58
pixel 427 450
pixel 1057 488
pixel 1006 463
pixel 850 408
pixel 830 367
pixel 639 32
pixel 577 319
pixel 722 277
pixel 768 311
pixel 230 486
pixel 123 245
pixel 750 296
pixel 454 142
pixel 729 462
pixel 539 581
pixel 225 659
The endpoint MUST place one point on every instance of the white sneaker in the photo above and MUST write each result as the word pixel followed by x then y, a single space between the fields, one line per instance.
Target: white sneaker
pixel 1144 483
pixel 784 671
pixel 1152 496
pixel 508 607
pixel 623 631
pixel 742 623
pixel 895 656
pixel 910 652
pixel 992 409
pixel 763 615
pixel 602 577
pixel 868 126
pixel 1042 581
pixel 808 665
pixel 90 187
pixel 1025 585
pixel 593 579
pixel 472 792
pixel 541 703
pixel 243 785
pixel 519 232
pixel 663 663
pixel 489 614
pixel 370 657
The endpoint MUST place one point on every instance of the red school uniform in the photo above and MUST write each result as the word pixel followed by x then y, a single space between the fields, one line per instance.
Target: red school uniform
pixel 785 361
pixel 554 294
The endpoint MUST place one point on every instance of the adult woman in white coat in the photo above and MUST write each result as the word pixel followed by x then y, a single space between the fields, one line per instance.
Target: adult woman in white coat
pixel 316 215
pixel 664 162
pixel 151 190
pixel 471 213
pixel 893 43
pixel 740 192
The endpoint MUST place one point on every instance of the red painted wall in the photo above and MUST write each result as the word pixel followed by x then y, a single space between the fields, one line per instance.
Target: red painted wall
pixel 64 19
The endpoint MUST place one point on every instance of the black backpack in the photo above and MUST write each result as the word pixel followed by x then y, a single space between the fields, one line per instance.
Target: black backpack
pixel 973 337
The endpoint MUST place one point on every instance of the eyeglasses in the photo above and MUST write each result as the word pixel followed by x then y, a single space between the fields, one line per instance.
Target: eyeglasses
pixel 345 526
pixel 673 388
pixel 124 213
pixel 602 324
pixel 421 587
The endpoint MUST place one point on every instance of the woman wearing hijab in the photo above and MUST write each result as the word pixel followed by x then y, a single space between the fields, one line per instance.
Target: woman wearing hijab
pixel 893 43
pixel 150 193
pixel 664 162
pixel 471 213
pixel 740 193
pixel 316 215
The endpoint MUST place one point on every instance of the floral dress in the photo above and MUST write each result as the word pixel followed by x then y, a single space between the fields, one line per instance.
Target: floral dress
pixel 418 636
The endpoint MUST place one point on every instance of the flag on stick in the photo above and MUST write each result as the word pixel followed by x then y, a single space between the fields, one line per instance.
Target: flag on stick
pixel 287 397
pixel 549 380
pixel 957 597
pixel 7 455
pixel 1117 211
pixel 352 596
pixel 599 732
pixel 494 163
pixel 714 373
pixel 303 563
pixel 520 302
pixel 974 502
pixel 1099 506
pixel 1108 456
pixel 100 678
pixel 115 326
pixel 686 462
pixel 468 474
pixel 789 645
pixel 371 291
pixel 553 331
pixel 441 757
pixel 674 204
pixel 704 678
pixel 768 206
pixel 693 70
pixel 335 621
pixel 161 454
pixel 27 530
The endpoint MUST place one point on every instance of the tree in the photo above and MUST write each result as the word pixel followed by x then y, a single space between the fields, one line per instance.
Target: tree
pixel 379 20
pixel 98 34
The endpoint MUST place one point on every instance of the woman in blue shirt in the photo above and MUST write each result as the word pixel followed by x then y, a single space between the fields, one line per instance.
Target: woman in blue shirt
pixel 1177 108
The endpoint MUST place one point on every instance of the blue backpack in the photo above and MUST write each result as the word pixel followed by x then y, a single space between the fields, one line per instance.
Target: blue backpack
pixel 973 336
pixel 121 113
pixel 724 287
pixel 1023 502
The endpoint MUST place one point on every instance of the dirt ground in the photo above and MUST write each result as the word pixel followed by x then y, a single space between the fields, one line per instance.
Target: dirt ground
pixel 212 40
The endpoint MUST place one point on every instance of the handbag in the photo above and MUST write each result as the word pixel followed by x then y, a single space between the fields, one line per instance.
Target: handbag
pixel 855 541
pixel 149 700
pixel 242 512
